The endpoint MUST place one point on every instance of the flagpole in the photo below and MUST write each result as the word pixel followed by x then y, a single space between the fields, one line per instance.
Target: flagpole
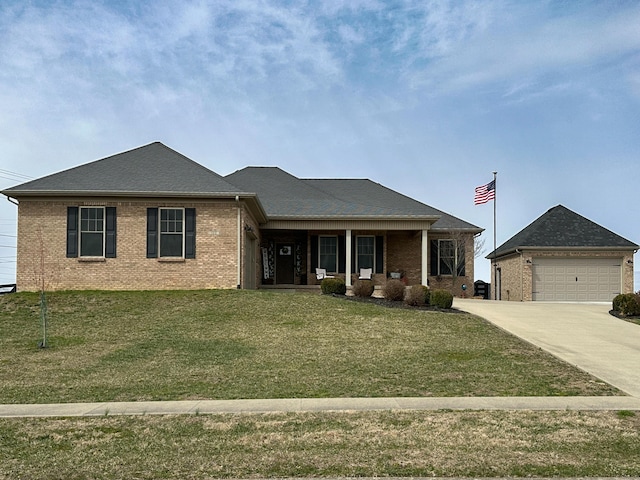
pixel 495 265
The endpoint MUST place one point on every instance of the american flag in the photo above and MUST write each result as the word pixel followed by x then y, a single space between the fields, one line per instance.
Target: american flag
pixel 485 193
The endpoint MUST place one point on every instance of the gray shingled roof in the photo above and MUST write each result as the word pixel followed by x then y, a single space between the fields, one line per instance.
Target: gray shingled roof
pixel 157 170
pixel 286 196
pixel 153 169
pixel 560 227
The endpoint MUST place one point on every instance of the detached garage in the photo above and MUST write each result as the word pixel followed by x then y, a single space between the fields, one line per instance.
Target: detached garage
pixel 563 257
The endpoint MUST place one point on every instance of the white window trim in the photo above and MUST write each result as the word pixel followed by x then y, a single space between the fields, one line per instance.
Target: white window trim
pixel 337 249
pixel 358 253
pixel 104 231
pixel 160 233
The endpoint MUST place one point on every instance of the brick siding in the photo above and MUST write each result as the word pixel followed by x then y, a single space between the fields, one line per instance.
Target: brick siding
pixel 41 253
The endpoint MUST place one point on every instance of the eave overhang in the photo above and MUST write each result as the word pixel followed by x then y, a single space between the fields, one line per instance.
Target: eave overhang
pixel 518 250
pixel 475 230
pixel 252 199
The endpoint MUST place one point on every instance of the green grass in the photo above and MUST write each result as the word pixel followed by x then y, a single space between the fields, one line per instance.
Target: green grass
pixel 350 444
pixel 125 346
pixel 237 344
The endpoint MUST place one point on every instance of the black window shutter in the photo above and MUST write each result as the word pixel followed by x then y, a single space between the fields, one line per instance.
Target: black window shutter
pixel 190 233
pixel 314 253
pixel 72 232
pixel 110 231
pixel 434 257
pixel 152 233
pixel 342 254
pixel 379 254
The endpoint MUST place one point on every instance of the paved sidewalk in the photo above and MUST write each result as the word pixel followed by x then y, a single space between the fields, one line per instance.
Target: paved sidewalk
pixel 317 405
pixel 581 334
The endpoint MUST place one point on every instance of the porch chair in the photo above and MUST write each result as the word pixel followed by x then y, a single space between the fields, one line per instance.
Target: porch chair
pixel 365 273
pixel 322 273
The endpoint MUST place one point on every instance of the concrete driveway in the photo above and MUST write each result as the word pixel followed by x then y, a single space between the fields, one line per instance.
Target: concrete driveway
pixel 582 334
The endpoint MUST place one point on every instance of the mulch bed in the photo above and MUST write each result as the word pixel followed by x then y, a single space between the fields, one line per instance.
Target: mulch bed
pixel 396 304
pixel 631 319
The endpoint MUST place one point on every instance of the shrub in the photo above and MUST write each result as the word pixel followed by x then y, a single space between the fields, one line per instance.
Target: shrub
pixel 417 295
pixel 333 286
pixel 393 290
pixel 617 300
pixel 627 304
pixel 363 288
pixel 441 299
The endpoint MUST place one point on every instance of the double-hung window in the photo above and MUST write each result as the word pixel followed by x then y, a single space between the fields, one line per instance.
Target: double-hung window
pixel 365 252
pixel 171 232
pixel 447 257
pixel 328 253
pixel 92 237
pixel 91 232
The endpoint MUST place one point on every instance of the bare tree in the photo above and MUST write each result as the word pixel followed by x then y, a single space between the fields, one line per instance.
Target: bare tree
pixel 478 246
pixel 43 280
pixel 40 276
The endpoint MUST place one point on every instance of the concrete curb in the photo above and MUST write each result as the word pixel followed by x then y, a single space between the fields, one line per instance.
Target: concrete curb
pixel 192 407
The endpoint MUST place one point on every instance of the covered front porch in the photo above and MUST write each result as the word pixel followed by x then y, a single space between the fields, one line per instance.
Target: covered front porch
pixel 289 258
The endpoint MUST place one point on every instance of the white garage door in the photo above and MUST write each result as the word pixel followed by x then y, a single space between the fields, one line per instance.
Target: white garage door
pixel 562 279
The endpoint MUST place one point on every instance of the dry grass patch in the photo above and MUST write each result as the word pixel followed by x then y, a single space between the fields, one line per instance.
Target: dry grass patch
pixel 420 444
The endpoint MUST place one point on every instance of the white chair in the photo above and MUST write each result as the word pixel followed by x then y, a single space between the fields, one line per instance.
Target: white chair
pixel 322 273
pixel 365 273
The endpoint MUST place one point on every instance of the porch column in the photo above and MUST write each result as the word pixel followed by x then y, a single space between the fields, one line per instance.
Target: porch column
pixel 347 267
pixel 424 268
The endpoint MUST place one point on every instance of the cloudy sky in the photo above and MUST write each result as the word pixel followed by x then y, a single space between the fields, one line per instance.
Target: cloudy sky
pixel 425 97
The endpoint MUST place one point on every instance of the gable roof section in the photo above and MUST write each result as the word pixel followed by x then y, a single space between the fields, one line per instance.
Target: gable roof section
pixel 377 195
pixel 150 170
pixel 285 196
pixel 561 228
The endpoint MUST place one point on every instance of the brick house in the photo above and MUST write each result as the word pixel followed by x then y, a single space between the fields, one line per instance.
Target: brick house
pixel 563 256
pixel 151 218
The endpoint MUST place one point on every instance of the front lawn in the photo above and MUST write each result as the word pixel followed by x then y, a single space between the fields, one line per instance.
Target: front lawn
pixel 225 344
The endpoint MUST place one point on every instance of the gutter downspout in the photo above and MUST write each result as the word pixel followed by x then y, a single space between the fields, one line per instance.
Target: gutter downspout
pixel 12 201
pixel 239 262
pixel 521 274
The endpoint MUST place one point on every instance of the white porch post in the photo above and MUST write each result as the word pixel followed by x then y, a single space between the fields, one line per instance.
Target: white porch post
pixel 347 267
pixel 425 257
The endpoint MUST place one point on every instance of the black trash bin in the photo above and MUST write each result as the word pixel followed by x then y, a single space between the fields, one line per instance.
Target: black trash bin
pixel 482 289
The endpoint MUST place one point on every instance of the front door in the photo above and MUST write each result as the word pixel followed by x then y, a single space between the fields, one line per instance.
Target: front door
pixel 284 263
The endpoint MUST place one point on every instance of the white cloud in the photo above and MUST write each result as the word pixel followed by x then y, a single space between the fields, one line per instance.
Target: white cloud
pixel 526 48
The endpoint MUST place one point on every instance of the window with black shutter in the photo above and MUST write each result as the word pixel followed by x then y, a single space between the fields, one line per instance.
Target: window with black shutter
pixel 171 232
pixel 91 232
